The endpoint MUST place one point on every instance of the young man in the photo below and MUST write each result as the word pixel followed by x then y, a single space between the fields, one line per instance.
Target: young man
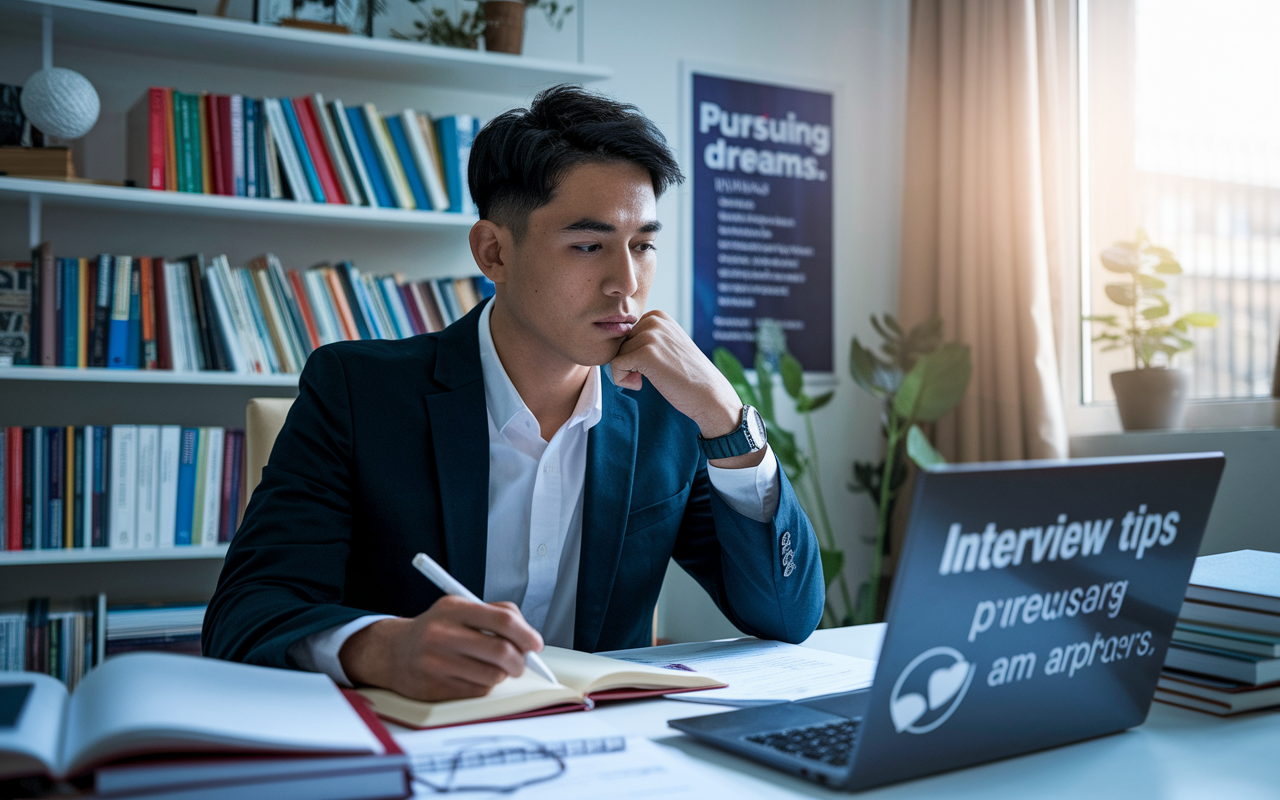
pixel 550 450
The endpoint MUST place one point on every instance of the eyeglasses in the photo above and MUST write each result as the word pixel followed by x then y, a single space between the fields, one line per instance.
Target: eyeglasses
pixel 508 763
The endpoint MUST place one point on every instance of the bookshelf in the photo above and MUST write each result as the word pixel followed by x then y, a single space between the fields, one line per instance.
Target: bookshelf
pixel 280 61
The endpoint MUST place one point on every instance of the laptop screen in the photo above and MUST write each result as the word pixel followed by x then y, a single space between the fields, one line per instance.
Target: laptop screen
pixel 1031 607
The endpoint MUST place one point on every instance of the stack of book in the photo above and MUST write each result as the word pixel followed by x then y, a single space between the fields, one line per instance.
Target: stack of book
pixel 59 639
pixel 191 314
pixel 162 627
pixel 299 148
pixel 1225 654
pixel 119 486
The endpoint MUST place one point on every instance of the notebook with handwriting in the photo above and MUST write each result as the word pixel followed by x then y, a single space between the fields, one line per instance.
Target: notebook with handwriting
pixel 583 680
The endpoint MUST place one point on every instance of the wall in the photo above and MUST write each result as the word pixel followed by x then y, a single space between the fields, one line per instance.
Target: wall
pixel 858 47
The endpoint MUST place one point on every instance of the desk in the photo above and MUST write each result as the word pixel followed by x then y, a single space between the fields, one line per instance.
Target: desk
pixel 1175 755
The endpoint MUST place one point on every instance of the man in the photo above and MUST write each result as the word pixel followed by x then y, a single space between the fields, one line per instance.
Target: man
pixel 555 489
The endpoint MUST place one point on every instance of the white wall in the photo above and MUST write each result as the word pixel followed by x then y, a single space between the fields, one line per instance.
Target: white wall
pixel 860 47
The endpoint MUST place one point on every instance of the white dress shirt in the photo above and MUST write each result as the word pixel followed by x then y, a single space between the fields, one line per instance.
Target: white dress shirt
pixel 535 511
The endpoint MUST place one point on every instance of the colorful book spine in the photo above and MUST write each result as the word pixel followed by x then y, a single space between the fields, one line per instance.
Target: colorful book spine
pixel 236 114
pixel 133 346
pixel 170 457
pixel 124 487
pixel 55 475
pixel 252 137
pixel 186 496
pixel 118 330
pixel 309 124
pixel 206 154
pixel 13 487
pixel 369 158
pixel 101 494
pixel 386 153
pixel 333 145
pixel 299 141
pixel 413 176
pixel 148 497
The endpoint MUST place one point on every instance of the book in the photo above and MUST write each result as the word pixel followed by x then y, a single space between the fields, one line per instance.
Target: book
pixel 149 358
pixel 118 330
pixel 270 156
pixel 412 172
pixel 170 142
pixel 1213 695
pixel 347 298
pixel 252 145
pixel 84 488
pixel 133 345
pixel 1244 579
pixel 455 135
pixel 1259 644
pixel 325 170
pixel 54 475
pixel 305 157
pixel 351 151
pixel 201 483
pixel 37 162
pixel 211 453
pixel 148 503
pixel 221 320
pixel 1229 616
pixel 15 312
pixel 219 133
pixel 386 153
pixel 283 143
pixel 13 488
pixel 1242 667
pixel 302 299
pixel 102 309
pixel 76 469
pixel 101 492
pixel 167 462
pixel 422 135
pixel 184 503
pixel 235 726
pixel 205 162
pixel 44 293
pixel 124 487
pixel 378 179
pixel 146 134
pixel 236 123
pixel 333 150
pixel 584 679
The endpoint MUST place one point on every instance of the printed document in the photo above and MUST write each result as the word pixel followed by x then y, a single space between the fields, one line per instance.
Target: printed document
pixel 566 757
pixel 758 672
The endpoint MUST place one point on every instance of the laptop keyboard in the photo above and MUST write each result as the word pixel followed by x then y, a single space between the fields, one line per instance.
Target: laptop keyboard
pixel 830 744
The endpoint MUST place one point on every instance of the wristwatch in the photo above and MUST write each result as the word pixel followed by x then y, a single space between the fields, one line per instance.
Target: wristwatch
pixel 748 438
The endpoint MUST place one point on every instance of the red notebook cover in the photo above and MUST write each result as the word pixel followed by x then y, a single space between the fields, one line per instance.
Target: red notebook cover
pixel 227 162
pixel 214 113
pixel 164 358
pixel 13 487
pixel 306 113
pixel 156 135
pixel 304 305
pixel 147 292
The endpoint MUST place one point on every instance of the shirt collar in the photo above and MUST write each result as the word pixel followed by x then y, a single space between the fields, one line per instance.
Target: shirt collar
pixel 504 402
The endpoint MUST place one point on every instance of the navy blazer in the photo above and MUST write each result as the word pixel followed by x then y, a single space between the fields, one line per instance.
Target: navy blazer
pixel 385 454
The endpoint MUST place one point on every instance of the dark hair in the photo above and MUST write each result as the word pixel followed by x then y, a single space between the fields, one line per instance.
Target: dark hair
pixel 521 156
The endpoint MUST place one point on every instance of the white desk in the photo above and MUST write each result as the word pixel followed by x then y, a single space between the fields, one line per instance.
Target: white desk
pixel 1176 755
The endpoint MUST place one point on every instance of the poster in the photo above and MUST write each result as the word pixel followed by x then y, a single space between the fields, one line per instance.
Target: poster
pixel 762 216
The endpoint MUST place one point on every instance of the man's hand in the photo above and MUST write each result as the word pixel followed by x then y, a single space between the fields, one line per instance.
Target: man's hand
pixel 454 649
pixel 657 348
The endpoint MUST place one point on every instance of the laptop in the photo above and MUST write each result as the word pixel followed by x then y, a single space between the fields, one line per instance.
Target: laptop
pixel 1031 607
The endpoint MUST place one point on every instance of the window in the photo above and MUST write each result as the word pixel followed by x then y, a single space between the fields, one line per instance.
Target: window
pixel 1182 114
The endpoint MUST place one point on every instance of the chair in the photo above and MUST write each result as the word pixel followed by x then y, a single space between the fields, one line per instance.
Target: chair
pixel 263 420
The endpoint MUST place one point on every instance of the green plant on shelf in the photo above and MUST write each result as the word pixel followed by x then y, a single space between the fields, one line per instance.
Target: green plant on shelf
pixel 801 465
pixel 438 27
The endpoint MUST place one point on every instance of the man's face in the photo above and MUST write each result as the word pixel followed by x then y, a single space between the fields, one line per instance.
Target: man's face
pixel 579 279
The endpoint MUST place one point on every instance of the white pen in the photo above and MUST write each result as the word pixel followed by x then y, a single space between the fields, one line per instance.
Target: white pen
pixel 450 585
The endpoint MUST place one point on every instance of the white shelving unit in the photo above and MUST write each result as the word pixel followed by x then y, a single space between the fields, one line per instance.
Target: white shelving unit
pixel 64 396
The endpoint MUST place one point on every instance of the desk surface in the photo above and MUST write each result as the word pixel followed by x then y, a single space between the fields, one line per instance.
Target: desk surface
pixel 1175 755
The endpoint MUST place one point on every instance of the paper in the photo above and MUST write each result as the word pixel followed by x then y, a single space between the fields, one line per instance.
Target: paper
pixel 595 760
pixel 758 672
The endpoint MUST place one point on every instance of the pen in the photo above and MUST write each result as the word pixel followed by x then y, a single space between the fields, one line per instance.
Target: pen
pixel 450 585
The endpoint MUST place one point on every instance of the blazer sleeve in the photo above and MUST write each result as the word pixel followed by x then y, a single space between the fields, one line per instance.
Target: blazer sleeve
pixel 765 576
pixel 285 570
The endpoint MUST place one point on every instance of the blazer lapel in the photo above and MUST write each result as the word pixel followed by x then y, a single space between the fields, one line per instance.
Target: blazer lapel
pixel 611 466
pixel 460 438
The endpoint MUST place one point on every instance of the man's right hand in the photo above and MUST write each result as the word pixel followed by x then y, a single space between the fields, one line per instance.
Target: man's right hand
pixel 445 653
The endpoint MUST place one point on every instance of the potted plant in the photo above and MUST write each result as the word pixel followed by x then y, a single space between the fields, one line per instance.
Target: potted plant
pixel 501 22
pixel 1152 395
pixel 919 378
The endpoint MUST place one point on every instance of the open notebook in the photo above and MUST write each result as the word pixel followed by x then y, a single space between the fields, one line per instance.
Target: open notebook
pixel 221 716
pixel 583 680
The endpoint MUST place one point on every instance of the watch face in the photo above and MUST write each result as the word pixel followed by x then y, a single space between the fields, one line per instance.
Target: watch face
pixel 755 427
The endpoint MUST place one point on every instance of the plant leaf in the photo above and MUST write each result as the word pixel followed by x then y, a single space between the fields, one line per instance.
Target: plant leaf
pixel 1156 312
pixel 935 385
pixel 764 385
pixel 920 450
pixel 1119 258
pixel 1200 319
pixel 1150 282
pixel 815 403
pixel 1122 294
pixel 1169 267
pixel 731 368
pixel 832 564
pixel 792 375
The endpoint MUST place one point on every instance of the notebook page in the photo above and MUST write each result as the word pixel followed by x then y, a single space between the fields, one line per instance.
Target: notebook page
pixel 161 702
pixel 29 741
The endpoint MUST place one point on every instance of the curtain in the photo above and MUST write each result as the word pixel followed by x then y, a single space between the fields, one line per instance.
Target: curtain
pixel 988 217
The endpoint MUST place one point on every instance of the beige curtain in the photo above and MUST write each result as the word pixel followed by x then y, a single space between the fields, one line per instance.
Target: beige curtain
pixel 988 211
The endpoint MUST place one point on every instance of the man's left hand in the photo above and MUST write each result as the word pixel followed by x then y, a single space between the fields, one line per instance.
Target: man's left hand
pixel 657 348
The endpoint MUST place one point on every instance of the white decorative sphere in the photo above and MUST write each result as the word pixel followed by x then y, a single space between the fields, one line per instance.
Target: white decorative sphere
pixel 60 102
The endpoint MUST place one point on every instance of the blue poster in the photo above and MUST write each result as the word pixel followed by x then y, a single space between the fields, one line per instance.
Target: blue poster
pixel 762 206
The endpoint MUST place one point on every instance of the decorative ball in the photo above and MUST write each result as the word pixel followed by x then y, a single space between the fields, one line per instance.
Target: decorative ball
pixel 60 102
